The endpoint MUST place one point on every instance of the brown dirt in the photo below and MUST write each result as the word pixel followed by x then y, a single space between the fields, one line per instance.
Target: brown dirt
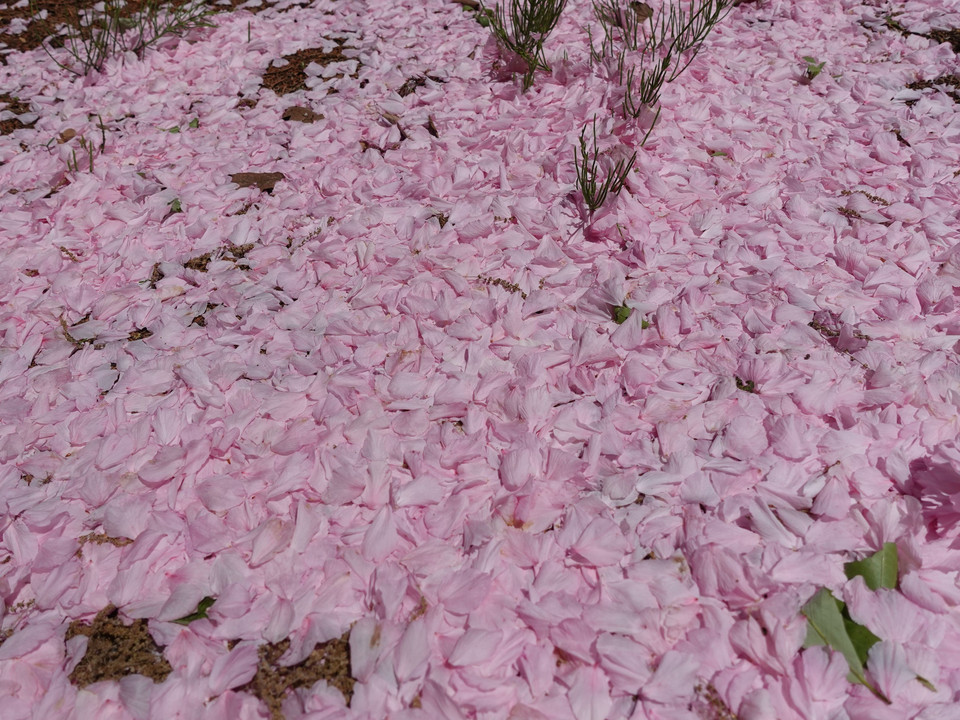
pixel 944 82
pixel 139 334
pixel 264 181
pixel 101 539
pixel 950 35
pixel 198 263
pixel 710 706
pixel 59 12
pixel 329 661
pixel 115 650
pixel 417 81
pixel 13 104
pixel 291 77
pixel 938 35
pixel 65 12
pixel 301 114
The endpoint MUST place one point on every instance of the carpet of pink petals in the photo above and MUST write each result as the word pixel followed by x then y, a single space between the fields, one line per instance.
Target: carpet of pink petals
pixel 519 508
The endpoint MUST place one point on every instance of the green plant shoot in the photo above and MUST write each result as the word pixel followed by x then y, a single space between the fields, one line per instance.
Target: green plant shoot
pixel 529 24
pixel 593 190
pixel 101 34
pixel 814 68
pixel 200 613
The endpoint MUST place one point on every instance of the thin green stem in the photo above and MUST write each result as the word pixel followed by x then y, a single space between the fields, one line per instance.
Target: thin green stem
pixel 98 36
pixel 523 27
pixel 593 190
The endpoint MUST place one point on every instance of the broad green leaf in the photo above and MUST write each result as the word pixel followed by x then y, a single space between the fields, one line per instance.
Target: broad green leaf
pixel 621 313
pixel 860 636
pixel 827 626
pixel 879 570
pixel 200 613
pixel 825 619
pixel 813 637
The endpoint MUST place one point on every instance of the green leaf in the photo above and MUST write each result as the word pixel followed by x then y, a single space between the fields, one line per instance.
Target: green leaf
pixel 813 638
pixel 926 683
pixel 746 385
pixel 485 17
pixel 880 570
pixel 860 636
pixel 718 153
pixel 824 618
pixel 195 123
pixel 175 205
pixel 826 626
pixel 621 313
pixel 644 324
pixel 813 67
pixel 200 613
pixel 174 130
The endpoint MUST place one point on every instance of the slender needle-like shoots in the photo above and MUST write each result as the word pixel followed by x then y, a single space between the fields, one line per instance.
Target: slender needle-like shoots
pixel 523 27
pixel 594 190
pixel 100 35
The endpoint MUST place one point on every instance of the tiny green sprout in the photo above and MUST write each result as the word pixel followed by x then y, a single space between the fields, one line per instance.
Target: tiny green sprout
pixel 746 386
pixel 195 123
pixel 175 206
pixel 717 153
pixel 199 614
pixel 813 67
pixel 174 130
pixel 621 313
pixel 644 324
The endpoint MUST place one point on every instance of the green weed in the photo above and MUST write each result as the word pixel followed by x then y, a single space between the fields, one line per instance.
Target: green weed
pixel 814 68
pixel 523 34
pixel 101 35
pixel 594 190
